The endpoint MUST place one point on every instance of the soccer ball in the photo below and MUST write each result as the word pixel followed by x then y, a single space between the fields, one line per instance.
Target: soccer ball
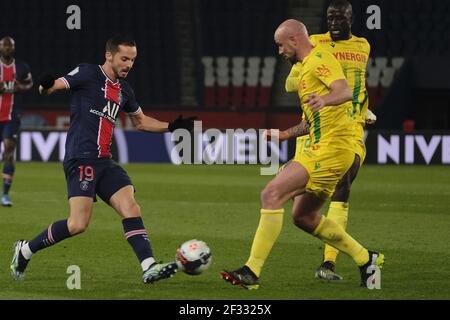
pixel 193 257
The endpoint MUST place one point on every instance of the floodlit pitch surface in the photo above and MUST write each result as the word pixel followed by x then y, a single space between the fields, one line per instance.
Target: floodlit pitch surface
pixel 404 211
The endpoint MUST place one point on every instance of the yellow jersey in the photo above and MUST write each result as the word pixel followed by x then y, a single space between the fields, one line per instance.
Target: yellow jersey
pixel 318 70
pixel 292 80
pixel 353 55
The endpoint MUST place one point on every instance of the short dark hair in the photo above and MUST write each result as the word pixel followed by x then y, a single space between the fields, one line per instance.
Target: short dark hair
pixel 112 45
pixel 341 4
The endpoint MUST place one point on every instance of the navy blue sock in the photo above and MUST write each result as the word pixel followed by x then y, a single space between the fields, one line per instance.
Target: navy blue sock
pixel 55 233
pixel 137 237
pixel 8 172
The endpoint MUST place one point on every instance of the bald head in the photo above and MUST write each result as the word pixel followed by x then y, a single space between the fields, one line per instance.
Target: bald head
pixel 7 47
pixel 291 28
pixel 292 39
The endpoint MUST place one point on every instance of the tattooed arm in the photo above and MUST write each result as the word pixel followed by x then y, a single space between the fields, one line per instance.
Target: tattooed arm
pixel 296 131
pixel 299 130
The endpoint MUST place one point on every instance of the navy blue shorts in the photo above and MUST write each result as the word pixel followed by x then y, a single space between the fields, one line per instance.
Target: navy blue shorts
pixel 10 129
pixel 91 177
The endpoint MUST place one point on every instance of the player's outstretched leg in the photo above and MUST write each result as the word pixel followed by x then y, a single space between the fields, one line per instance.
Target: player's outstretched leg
pixel 289 182
pixel 122 200
pixel 137 237
pixel 269 228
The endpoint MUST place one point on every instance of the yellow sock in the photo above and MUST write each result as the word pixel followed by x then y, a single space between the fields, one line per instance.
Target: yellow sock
pixel 267 233
pixel 333 234
pixel 338 212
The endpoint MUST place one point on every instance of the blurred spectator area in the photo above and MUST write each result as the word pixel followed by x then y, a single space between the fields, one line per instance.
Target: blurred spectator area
pixel 380 74
pixel 45 43
pixel 405 73
pixel 238 81
pixel 209 55
pixel 408 27
pixel 238 52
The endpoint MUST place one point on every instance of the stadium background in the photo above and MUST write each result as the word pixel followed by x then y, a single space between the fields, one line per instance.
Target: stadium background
pixel 217 60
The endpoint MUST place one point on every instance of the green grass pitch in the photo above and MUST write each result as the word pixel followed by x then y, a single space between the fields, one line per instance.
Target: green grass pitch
pixel 404 211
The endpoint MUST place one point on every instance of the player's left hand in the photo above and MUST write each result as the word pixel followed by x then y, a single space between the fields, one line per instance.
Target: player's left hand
pixel 371 118
pixel 315 102
pixel 180 123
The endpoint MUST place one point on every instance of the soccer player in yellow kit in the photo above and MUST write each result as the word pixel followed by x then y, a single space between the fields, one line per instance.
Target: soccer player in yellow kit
pixel 352 53
pixel 326 103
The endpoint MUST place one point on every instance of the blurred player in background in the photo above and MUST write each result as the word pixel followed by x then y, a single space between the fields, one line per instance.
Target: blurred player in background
pixel 15 77
pixel 98 94
pixel 326 103
pixel 352 53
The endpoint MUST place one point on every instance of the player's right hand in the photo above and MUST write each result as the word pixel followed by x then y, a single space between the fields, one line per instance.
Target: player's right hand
pixel 315 102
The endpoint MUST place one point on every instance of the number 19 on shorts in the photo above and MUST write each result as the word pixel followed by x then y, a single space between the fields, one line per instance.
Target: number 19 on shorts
pixel 86 173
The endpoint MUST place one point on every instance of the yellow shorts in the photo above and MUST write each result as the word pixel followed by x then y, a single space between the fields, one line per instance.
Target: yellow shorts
pixel 303 143
pixel 360 147
pixel 360 150
pixel 326 165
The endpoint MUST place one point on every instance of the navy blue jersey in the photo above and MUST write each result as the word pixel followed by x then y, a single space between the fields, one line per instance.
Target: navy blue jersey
pixel 94 107
pixel 10 102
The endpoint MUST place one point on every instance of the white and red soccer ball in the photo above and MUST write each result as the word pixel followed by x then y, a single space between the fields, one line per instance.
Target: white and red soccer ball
pixel 193 257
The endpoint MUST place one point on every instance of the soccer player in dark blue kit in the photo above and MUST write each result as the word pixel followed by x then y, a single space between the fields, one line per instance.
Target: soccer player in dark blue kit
pixel 98 94
pixel 15 77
